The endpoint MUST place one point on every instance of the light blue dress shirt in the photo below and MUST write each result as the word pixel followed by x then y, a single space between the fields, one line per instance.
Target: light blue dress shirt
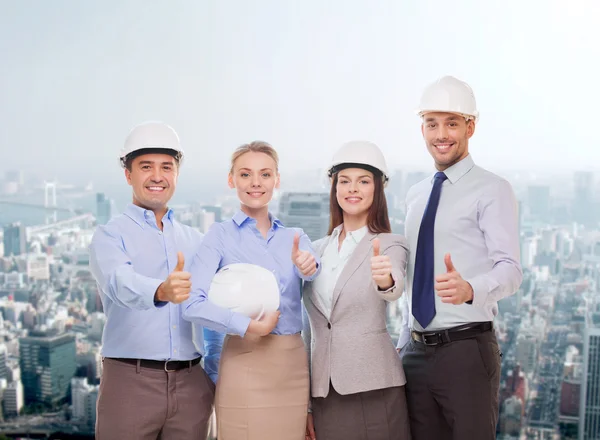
pixel 239 241
pixel 129 258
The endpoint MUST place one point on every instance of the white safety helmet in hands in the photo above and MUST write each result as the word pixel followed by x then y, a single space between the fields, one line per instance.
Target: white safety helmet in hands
pixel 359 154
pixel 449 95
pixel 245 288
pixel 151 136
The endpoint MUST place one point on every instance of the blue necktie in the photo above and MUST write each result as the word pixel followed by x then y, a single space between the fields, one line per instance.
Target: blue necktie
pixel 423 296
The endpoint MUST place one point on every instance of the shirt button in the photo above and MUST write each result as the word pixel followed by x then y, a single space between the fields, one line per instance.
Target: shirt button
pixel 175 350
pixel 329 325
pixel 159 232
pixel 174 326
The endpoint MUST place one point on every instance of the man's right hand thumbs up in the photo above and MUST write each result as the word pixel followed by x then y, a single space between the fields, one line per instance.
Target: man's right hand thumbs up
pixel 178 285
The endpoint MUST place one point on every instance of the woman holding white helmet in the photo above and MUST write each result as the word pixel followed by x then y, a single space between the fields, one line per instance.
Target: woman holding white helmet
pixel 263 380
pixel 357 380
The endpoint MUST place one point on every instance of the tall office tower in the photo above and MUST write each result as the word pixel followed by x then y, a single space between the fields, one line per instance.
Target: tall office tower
pixel 14 239
pixel 47 365
pixel 104 209
pixel 309 211
pixel 584 206
pixel 589 407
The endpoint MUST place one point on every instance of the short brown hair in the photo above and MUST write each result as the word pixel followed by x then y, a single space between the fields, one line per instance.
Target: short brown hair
pixel 378 220
pixel 255 147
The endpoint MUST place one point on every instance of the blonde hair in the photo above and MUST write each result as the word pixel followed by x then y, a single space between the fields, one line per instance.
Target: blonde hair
pixel 255 147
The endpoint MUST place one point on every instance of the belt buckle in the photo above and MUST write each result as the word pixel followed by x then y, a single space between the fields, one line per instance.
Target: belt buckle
pixel 426 335
pixel 166 369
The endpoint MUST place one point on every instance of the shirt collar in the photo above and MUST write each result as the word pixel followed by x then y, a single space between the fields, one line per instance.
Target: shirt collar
pixel 240 217
pixel 459 169
pixel 144 216
pixel 356 236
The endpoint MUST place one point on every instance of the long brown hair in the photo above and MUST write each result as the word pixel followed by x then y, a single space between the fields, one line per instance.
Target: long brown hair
pixel 378 220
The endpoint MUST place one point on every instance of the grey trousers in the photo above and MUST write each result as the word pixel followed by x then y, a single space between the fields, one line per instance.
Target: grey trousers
pixel 137 403
pixel 371 415
pixel 452 389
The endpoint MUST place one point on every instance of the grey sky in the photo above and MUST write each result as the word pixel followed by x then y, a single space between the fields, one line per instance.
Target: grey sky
pixel 303 75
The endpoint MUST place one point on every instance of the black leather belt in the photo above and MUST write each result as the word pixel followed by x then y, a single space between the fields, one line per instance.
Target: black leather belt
pixel 168 366
pixel 459 333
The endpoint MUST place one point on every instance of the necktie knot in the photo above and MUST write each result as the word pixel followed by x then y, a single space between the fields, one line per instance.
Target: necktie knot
pixel 440 176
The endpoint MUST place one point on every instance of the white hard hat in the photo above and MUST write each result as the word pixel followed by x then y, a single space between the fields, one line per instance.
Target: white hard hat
pixel 245 288
pixel 449 95
pixel 151 135
pixel 359 154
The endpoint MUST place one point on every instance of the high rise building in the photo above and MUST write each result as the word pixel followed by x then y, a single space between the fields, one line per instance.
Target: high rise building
pixel 584 208
pixel 13 399
pixel 217 210
pixel 83 399
pixel 538 198
pixel 527 352
pixel 38 267
pixel 47 366
pixel 3 366
pixel 104 209
pixel 309 211
pixel 589 407
pixel 14 239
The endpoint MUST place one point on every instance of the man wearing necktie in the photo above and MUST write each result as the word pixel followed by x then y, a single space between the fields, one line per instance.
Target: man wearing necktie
pixel 462 228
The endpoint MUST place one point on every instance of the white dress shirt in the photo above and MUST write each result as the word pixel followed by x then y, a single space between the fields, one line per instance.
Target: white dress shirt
pixel 332 264
pixel 477 224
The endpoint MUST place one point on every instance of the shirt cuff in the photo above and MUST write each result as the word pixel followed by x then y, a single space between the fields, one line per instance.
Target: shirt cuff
pixel 389 289
pixel 308 278
pixel 238 324
pixel 151 285
pixel 482 286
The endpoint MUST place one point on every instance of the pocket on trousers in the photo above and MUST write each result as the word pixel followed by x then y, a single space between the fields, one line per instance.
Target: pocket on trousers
pixel 490 355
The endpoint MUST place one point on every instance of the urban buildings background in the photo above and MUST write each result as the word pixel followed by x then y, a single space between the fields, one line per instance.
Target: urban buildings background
pixel 51 318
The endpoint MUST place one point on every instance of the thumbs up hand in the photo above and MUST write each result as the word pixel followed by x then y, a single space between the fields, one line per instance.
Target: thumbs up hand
pixel 451 287
pixel 178 285
pixel 304 260
pixel 381 268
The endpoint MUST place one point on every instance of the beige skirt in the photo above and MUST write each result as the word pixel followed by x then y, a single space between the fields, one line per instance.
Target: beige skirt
pixel 263 388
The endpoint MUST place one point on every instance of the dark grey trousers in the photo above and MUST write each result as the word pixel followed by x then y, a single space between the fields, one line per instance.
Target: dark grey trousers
pixel 452 389
pixel 137 403
pixel 371 415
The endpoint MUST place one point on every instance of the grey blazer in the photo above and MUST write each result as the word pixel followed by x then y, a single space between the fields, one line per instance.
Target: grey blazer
pixel 352 348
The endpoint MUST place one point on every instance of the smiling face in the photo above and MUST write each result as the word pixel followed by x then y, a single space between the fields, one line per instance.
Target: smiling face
pixel 355 188
pixel 447 137
pixel 153 178
pixel 254 176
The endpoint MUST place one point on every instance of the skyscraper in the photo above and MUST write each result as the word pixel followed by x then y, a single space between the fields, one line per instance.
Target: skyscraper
pixel 584 208
pixel 589 408
pixel 538 198
pixel 217 210
pixel 103 209
pixel 47 366
pixel 309 211
pixel 14 239
pixel 3 367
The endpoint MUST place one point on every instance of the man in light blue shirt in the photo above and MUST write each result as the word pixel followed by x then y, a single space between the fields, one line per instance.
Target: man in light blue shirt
pixel 153 385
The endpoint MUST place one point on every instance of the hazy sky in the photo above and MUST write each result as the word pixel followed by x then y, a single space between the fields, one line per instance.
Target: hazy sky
pixel 306 76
